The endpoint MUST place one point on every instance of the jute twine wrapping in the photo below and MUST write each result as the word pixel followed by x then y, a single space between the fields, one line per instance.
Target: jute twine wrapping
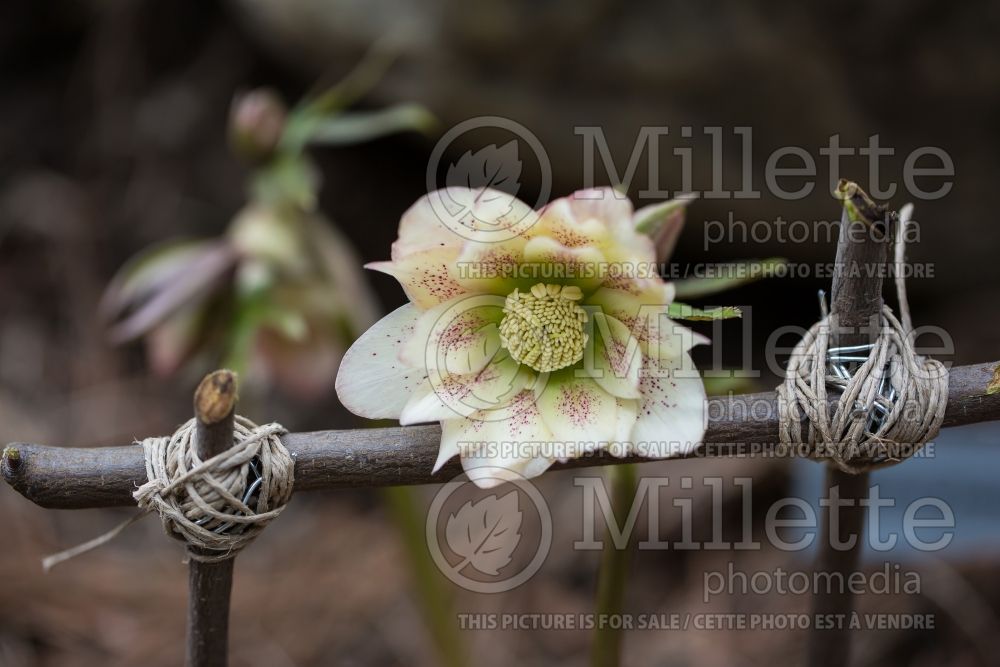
pixel 808 415
pixel 201 502
pixel 194 498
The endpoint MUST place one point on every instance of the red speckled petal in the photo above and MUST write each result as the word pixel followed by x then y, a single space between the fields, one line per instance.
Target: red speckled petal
pixel 672 409
pixel 427 277
pixel 519 443
pixel 579 411
pixel 455 336
pixel 617 357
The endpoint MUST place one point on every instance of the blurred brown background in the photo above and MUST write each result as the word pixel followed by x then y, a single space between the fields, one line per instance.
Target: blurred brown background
pixel 112 137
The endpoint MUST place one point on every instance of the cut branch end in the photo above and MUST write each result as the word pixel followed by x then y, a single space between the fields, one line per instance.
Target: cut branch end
pixel 862 208
pixel 11 460
pixel 215 397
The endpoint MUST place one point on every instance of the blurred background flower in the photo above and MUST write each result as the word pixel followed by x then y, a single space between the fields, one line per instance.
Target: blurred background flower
pixel 279 297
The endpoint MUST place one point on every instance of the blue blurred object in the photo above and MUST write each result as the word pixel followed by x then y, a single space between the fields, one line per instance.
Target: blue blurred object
pixel 959 470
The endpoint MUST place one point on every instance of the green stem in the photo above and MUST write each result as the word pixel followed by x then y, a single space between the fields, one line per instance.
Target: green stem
pixel 611 579
pixel 433 595
pixel 358 82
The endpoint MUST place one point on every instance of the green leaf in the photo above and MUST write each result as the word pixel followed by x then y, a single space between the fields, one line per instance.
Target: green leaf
pixel 254 311
pixel 649 219
pixel 737 274
pixel 346 129
pixel 682 311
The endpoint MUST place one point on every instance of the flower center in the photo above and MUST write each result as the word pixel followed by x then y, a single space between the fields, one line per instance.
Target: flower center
pixel 543 327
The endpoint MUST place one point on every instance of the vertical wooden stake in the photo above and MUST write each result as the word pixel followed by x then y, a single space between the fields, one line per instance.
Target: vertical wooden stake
pixel 856 306
pixel 210 584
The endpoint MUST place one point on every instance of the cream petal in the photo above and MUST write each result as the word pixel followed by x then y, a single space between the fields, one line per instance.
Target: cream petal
pixel 672 409
pixel 554 262
pixel 635 277
pixel 491 267
pixel 614 357
pixel 484 474
pixel 628 414
pixel 605 205
pixel 672 390
pixel 578 411
pixel 631 253
pixel 473 351
pixel 447 450
pixel 428 277
pixel 665 338
pixel 600 218
pixel 639 312
pixel 456 336
pixel 489 393
pixel 489 448
pixel 424 406
pixel 421 228
pixel 493 215
pixel 485 395
pixel 449 217
pixel 561 221
pixel 372 382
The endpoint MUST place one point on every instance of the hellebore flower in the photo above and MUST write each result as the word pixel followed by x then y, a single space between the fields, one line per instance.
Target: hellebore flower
pixel 532 336
pixel 278 296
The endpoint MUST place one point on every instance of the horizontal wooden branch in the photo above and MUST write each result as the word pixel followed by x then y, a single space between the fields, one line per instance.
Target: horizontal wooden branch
pixel 71 477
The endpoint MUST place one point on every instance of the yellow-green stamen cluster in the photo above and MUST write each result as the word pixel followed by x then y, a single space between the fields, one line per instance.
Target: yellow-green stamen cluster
pixel 543 328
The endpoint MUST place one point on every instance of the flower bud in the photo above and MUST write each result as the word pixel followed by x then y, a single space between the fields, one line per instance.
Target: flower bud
pixel 256 123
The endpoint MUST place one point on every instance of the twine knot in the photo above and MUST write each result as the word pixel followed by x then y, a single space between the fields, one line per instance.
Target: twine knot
pixel 216 506
pixel 220 505
pixel 889 405
pixel 892 404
